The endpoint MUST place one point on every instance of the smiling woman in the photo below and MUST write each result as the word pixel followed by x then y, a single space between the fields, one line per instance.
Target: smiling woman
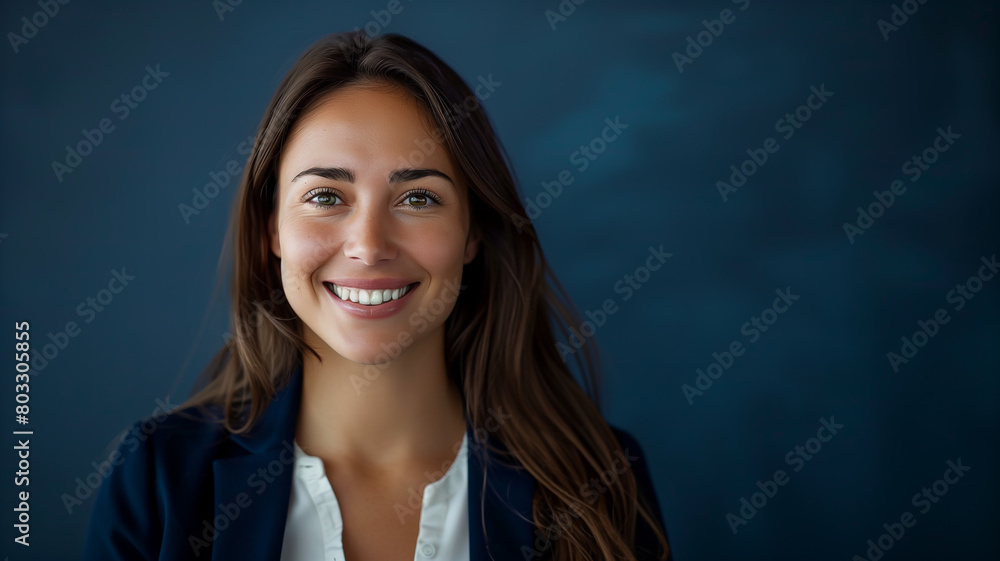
pixel 410 366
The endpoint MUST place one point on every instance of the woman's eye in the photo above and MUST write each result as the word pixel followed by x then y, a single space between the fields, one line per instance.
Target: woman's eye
pixel 417 200
pixel 421 199
pixel 324 199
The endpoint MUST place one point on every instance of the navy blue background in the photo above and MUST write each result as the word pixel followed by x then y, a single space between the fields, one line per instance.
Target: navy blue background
pixel 654 185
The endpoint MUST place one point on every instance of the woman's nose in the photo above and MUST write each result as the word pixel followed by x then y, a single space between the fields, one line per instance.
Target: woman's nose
pixel 368 235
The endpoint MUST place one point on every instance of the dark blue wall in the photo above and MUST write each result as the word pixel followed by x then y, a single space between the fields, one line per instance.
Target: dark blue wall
pixel 823 359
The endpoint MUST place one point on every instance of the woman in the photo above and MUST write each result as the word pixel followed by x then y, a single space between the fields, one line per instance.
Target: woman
pixel 393 388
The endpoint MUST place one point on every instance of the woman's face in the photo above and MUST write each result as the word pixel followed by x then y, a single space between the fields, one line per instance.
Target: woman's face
pixel 371 225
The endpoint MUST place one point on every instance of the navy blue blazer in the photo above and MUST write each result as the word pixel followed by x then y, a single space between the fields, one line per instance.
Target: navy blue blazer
pixel 191 491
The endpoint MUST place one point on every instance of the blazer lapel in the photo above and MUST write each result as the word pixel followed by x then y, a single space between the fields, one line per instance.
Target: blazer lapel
pixel 500 520
pixel 253 487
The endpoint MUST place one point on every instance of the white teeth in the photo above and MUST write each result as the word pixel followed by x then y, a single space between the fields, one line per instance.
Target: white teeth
pixel 369 297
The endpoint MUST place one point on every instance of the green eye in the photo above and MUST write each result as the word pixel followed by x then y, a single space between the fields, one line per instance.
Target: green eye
pixel 420 199
pixel 323 198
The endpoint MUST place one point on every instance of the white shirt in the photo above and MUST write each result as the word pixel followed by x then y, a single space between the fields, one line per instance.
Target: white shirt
pixel 314 527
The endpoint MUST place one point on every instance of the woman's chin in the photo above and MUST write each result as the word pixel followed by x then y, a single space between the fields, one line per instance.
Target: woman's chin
pixel 371 351
pixel 371 347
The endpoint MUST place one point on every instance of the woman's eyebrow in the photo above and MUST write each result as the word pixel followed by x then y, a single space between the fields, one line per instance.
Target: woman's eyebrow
pixel 411 174
pixel 333 174
pixel 396 176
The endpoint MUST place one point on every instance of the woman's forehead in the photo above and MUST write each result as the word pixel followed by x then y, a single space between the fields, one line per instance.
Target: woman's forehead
pixel 364 126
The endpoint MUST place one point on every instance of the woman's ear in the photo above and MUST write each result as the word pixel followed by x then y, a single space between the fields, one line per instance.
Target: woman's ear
pixel 272 232
pixel 472 244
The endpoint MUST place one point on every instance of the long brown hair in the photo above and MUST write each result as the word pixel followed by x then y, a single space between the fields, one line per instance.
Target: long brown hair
pixel 501 338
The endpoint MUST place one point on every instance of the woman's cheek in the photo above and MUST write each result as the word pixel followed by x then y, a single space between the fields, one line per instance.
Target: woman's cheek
pixel 441 249
pixel 303 253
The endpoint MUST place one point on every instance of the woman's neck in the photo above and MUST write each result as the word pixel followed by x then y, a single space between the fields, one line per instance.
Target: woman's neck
pixel 398 413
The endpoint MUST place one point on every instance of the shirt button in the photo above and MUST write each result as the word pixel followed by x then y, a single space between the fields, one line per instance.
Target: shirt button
pixel 427 550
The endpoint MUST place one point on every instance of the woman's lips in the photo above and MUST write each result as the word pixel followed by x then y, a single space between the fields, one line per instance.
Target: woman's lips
pixel 370 311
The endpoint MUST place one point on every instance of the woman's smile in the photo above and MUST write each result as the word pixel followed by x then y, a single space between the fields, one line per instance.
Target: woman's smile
pixel 369 297
pixel 371 303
